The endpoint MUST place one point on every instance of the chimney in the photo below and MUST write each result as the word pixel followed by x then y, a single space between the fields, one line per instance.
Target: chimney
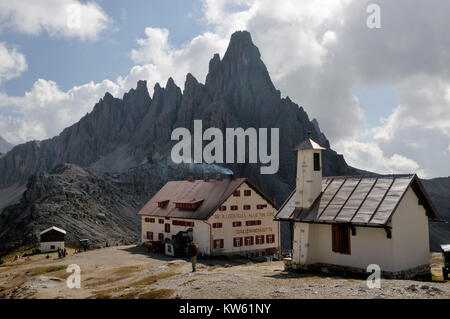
pixel 218 177
pixel 309 173
pixel 190 178
pixel 205 177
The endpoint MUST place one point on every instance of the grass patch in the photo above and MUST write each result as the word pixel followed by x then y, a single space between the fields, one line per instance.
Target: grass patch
pixel 43 270
pixel 102 282
pixel 106 293
pixel 152 279
pixel 126 270
pixel 157 294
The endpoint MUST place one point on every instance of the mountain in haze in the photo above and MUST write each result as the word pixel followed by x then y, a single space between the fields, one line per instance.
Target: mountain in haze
pixel 131 139
pixel 5 146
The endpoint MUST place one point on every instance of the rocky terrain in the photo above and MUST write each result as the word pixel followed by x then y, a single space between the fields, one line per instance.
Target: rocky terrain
pixel 100 208
pixel 129 272
pixel 130 138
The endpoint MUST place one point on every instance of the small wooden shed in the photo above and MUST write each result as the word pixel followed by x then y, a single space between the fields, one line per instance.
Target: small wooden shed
pixel 52 238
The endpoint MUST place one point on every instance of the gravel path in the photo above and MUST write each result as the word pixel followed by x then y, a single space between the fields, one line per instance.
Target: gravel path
pixel 130 272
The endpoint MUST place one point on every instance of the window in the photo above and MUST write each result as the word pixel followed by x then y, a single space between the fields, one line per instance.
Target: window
pixel 247 207
pixel 249 241
pixel 161 221
pixel 259 239
pixel 190 224
pixel 237 241
pixel 161 237
pixel 317 161
pixel 237 224
pixel 147 220
pixel 270 239
pixel 218 243
pixel 52 247
pixel 234 207
pixel 252 222
pixel 247 192
pixel 222 208
pixel 163 203
pixel 167 228
pixel 217 225
pixel 149 235
pixel 237 193
pixel 340 238
pixel 261 206
pixel 152 220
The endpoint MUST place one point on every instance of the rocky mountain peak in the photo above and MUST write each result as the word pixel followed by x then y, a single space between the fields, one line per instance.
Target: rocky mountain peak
pixel 5 146
pixel 242 49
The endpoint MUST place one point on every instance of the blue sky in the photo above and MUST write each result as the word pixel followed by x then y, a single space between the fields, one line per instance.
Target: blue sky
pixel 72 62
pixel 381 96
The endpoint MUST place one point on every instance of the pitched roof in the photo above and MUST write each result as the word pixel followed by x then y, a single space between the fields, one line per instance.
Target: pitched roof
pixel 309 144
pixel 53 228
pixel 208 194
pixel 360 200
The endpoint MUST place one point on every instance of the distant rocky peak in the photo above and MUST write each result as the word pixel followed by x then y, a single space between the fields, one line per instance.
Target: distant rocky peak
pixel 240 69
pixel 5 146
pixel 241 49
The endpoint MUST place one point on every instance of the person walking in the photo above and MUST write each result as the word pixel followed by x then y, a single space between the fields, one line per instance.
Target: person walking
pixel 192 253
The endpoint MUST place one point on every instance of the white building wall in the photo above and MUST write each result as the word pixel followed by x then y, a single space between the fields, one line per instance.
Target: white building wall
pixel 408 248
pixel 204 234
pixel 308 181
pixel 369 246
pixel 228 232
pixel 47 246
pixel 410 233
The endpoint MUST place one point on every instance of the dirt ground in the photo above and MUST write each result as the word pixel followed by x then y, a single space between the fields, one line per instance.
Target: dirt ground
pixel 131 272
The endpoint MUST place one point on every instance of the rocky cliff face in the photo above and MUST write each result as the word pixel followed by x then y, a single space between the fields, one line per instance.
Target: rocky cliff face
pixel 5 146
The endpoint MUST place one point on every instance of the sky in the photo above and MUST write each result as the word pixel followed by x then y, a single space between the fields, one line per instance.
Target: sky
pixel 381 95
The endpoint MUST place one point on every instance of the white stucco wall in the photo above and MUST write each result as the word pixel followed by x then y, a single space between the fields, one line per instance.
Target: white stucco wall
pixel 410 233
pixel 228 232
pixel 46 246
pixel 369 246
pixel 408 247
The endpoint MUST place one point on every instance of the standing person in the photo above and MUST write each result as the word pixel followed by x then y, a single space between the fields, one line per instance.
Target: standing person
pixel 192 253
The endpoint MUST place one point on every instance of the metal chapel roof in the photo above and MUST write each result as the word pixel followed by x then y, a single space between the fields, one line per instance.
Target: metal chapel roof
pixel 360 200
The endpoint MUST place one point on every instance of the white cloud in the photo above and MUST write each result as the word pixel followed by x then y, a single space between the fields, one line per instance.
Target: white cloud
pixel 375 160
pixel 45 110
pixel 67 18
pixel 12 63
pixel 159 60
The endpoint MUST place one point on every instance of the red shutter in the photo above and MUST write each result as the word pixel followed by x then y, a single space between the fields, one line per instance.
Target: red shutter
pixel 221 243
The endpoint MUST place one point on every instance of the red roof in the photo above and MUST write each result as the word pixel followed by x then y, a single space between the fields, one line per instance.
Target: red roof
pixel 208 194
